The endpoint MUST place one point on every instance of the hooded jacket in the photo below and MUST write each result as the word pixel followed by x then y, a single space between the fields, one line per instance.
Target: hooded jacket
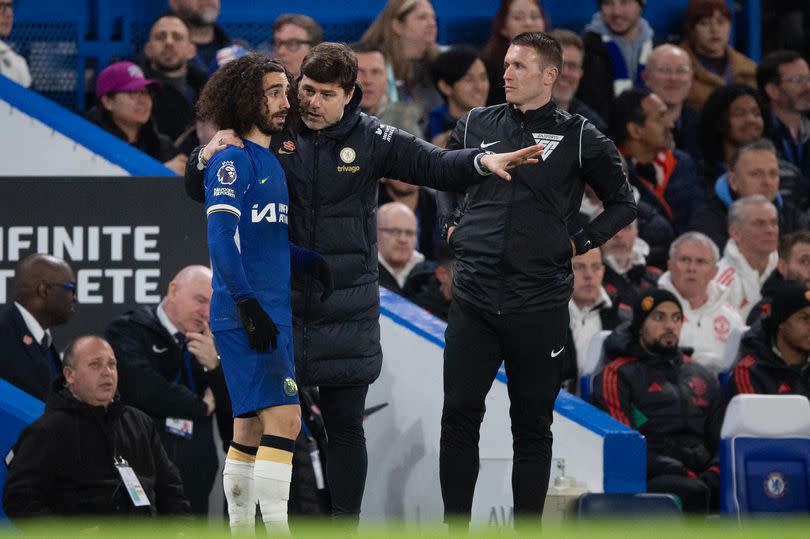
pixel 762 370
pixel 14 66
pixel 332 175
pixel 769 288
pixel 150 141
pixel 63 462
pixel 711 216
pixel 606 72
pixel 706 328
pixel 743 281
pixel 670 399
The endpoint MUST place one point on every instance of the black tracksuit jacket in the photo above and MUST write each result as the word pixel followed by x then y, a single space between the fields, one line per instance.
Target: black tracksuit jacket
pixel 512 246
pixel 63 462
pixel 759 370
pixel 670 399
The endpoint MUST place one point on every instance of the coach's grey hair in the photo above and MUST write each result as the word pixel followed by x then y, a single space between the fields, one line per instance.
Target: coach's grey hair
pixel 759 144
pixel 740 206
pixel 697 237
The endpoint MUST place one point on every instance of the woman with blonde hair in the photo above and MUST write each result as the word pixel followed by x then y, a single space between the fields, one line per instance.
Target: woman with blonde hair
pixel 405 31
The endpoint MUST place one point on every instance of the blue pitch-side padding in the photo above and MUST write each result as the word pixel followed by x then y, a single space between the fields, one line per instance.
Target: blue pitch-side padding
pixel 83 132
pixel 625 451
pixel 18 409
pixel 765 475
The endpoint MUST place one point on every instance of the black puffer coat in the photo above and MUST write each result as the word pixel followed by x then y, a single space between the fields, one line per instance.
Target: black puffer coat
pixel 332 175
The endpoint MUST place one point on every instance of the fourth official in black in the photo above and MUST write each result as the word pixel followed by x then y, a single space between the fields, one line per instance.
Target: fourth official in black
pixel 513 275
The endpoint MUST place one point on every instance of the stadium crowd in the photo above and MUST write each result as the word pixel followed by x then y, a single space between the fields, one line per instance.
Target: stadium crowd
pixel 716 149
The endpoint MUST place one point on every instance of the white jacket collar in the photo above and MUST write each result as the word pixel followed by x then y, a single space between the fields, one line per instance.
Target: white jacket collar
pixel 402 276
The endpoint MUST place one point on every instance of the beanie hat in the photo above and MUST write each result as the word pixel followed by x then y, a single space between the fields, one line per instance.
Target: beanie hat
pixel 647 302
pixel 788 299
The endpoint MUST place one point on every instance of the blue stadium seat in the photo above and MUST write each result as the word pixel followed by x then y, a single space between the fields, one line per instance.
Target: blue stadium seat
pixel 765 455
pixel 595 504
pixel 18 409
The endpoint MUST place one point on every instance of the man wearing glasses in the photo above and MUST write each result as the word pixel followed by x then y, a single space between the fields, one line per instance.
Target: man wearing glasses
pixel 669 76
pixel 783 77
pixel 396 240
pixel 293 36
pixel 12 65
pixel 44 297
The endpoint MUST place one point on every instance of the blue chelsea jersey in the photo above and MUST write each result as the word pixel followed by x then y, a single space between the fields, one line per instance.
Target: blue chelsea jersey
pixel 247 204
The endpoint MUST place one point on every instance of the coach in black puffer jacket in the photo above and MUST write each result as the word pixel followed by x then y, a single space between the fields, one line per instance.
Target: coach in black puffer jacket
pixel 332 175
pixel 63 462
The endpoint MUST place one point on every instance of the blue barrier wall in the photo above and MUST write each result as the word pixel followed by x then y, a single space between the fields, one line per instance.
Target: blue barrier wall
pixel 83 132
pixel 18 409
pixel 624 452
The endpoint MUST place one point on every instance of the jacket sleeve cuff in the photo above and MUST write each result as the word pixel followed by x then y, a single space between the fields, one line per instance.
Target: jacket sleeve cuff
pixel 479 167
pixel 582 243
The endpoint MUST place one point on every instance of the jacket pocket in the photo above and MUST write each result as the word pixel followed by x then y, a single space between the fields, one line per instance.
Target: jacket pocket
pixel 538 242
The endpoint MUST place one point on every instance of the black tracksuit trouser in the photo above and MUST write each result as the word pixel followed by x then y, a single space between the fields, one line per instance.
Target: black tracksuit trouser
pixel 342 410
pixel 476 342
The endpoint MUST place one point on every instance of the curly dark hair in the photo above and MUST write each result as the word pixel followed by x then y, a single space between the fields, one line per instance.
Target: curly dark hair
pixel 232 97
pixel 714 121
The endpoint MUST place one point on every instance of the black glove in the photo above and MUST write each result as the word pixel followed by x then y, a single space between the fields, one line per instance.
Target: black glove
pixel 320 271
pixel 261 329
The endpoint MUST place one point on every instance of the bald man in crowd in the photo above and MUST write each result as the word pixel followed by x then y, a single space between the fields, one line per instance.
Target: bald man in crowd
pixel 44 297
pixel 396 238
pixel 669 75
pixel 169 368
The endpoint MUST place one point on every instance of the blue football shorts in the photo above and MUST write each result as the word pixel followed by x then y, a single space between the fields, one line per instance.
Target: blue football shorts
pixel 257 380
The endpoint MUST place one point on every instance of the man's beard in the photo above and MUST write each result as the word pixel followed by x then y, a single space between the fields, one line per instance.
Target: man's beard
pixel 659 349
pixel 266 127
pixel 166 68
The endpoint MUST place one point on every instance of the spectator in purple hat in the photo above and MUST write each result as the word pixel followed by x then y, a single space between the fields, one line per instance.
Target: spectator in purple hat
pixel 124 109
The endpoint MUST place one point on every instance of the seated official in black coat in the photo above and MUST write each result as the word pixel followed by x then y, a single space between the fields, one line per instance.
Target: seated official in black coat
pixel 170 370
pixel 81 456
pixel 44 297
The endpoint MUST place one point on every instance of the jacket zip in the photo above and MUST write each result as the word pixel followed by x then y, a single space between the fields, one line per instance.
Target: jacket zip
pixel 507 225
pixel 308 278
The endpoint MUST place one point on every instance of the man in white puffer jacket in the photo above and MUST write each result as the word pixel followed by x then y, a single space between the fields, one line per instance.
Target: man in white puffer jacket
pixel 708 318
pixel 750 255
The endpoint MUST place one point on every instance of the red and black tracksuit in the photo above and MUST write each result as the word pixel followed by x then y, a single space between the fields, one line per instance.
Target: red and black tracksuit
pixel 760 370
pixel 676 404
